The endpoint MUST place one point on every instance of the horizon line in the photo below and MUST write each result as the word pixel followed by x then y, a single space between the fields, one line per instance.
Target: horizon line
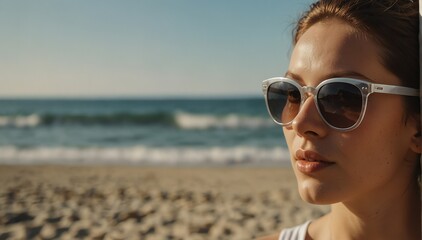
pixel 130 97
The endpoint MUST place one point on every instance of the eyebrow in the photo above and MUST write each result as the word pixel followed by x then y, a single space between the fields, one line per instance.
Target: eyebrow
pixel 293 75
pixel 337 74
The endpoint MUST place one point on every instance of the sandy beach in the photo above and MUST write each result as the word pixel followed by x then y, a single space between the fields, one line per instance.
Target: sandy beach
pixel 133 202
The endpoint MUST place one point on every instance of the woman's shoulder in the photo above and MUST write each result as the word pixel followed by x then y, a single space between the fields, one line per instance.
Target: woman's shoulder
pixel 293 233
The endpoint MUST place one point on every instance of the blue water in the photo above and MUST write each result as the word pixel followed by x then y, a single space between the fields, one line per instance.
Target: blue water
pixel 134 131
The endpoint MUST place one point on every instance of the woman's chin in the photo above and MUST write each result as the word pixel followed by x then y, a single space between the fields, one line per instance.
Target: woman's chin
pixel 316 193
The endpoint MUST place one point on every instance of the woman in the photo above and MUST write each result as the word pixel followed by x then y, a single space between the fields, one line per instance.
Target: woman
pixel 349 108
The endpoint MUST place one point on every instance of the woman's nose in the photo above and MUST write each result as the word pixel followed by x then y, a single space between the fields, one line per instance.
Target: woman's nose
pixel 308 122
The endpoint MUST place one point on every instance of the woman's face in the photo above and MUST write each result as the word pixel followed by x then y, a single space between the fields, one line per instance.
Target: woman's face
pixel 373 161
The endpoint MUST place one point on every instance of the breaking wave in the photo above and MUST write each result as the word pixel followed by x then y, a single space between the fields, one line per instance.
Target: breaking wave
pixel 179 120
pixel 144 155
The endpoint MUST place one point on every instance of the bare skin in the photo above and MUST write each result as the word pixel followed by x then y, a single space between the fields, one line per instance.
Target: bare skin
pixel 371 183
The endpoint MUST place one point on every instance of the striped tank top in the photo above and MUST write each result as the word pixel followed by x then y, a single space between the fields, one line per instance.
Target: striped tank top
pixel 295 233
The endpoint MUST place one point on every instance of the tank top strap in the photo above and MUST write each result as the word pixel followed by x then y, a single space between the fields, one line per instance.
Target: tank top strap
pixel 295 233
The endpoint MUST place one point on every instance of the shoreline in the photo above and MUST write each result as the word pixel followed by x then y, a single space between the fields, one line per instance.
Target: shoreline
pixel 149 202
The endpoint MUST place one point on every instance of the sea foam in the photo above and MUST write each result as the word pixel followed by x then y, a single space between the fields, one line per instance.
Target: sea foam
pixel 19 121
pixel 230 121
pixel 182 120
pixel 143 155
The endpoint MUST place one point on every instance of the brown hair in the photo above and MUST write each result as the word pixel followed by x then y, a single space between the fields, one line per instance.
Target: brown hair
pixel 393 24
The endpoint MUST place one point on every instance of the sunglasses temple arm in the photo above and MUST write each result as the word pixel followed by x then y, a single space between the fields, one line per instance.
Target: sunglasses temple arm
pixel 398 90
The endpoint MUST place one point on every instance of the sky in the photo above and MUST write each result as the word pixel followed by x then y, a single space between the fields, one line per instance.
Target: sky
pixel 143 48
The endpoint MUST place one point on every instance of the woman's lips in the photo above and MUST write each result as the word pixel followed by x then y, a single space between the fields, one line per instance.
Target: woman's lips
pixel 309 161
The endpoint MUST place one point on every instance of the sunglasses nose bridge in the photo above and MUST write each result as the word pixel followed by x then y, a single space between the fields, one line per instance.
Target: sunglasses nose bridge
pixel 308 91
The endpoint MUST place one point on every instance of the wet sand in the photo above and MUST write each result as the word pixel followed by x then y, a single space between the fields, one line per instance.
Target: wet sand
pixel 132 202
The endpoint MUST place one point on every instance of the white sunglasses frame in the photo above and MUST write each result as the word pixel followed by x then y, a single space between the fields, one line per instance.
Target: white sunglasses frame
pixel 366 88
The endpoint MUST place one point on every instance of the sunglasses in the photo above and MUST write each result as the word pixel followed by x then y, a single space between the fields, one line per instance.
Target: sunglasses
pixel 341 102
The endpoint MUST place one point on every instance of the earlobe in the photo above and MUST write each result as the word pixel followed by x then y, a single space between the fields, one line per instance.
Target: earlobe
pixel 416 139
pixel 416 142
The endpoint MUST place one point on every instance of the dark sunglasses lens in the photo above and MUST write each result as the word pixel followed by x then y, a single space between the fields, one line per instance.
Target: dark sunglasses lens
pixel 283 101
pixel 340 104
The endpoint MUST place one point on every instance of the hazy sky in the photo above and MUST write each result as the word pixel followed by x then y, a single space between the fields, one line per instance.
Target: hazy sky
pixel 143 48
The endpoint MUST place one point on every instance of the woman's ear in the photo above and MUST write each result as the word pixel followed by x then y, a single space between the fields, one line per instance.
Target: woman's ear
pixel 416 143
pixel 416 140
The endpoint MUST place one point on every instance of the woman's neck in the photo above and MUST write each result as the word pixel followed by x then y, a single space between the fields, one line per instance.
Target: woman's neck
pixel 384 217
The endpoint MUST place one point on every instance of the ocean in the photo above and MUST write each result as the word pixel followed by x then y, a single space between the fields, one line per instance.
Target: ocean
pixel 140 132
